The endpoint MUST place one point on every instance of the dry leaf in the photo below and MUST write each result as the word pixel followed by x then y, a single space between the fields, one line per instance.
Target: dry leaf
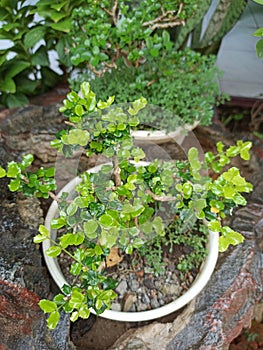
pixel 113 258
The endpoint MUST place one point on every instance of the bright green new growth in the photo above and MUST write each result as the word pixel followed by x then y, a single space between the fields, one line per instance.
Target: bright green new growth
pixel 127 204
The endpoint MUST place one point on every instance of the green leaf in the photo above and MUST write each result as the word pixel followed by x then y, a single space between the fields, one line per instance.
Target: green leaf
pixel 16 68
pixel 259 48
pixel 62 26
pixel 16 100
pixel 84 312
pixel 258 32
pixel 27 160
pixel 90 228
pixel 214 226
pixel 58 223
pixel 260 2
pixel 98 250
pixel 43 230
pixel 8 85
pixel 53 320
pixel 229 237
pixel 53 251
pixel 77 137
pixel 14 185
pixel 71 239
pixel 47 306
pixel 2 172
pixel 72 208
pixel 103 105
pixel 75 268
pixel 34 36
pixel 39 239
pixel 40 57
pixel 232 151
pixel 158 225
pixel 13 169
pixel 137 105
pixel 74 316
pixel 244 149
pixel 76 299
pixel 106 220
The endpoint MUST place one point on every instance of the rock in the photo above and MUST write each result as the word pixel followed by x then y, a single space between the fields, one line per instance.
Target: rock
pixel 115 306
pixel 122 288
pixel 155 303
pixel 128 302
pixel 134 285
pixel 23 277
pixel 149 283
pixel 171 289
pixel 141 306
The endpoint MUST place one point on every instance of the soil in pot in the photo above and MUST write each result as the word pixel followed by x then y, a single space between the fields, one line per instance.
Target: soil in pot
pixel 149 277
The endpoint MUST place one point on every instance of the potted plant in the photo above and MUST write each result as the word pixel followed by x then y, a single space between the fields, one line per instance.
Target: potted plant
pixel 127 51
pixel 186 80
pixel 128 206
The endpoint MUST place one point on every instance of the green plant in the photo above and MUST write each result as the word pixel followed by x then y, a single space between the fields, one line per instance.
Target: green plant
pixel 32 32
pixel 104 31
pixel 24 65
pixel 182 82
pixel 126 203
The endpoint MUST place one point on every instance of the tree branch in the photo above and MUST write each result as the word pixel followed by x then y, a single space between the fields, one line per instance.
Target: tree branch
pixel 166 20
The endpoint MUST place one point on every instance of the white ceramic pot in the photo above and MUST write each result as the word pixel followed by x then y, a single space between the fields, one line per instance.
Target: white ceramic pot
pixel 199 283
pixel 159 136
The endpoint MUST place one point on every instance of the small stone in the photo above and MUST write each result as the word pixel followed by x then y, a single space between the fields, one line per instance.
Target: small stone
pixel 161 302
pixel 155 303
pixel 171 289
pixel 158 284
pixel 141 306
pixel 134 285
pixel 149 283
pixel 116 307
pixel 145 299
pixel 122 288
pixel 152 293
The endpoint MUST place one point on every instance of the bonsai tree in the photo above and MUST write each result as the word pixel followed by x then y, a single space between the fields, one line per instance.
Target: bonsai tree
pixel 129 204
pixel 185 83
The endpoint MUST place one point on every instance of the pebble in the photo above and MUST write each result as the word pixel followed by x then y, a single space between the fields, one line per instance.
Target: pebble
pixel 145 299
pixel 155 303
pixel 149 283
pixel 122 288
pixel 171 289
pixel 141 306
pixel 134 285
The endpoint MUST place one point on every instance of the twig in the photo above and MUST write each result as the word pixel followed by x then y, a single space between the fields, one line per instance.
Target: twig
pixel 164 21
pixel 160 198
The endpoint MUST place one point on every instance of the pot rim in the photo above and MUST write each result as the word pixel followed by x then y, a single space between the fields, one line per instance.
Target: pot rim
pixel 161 136
pixel 199 283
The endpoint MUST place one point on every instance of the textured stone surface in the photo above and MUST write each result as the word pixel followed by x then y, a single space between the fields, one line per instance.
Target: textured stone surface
pixel 23 277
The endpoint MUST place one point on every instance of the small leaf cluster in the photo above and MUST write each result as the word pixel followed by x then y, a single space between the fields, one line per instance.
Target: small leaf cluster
pixel 96 129
pixel 32 30
pixel 39 183
pixel 185 80
pixel 94 290
pixel 105 31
